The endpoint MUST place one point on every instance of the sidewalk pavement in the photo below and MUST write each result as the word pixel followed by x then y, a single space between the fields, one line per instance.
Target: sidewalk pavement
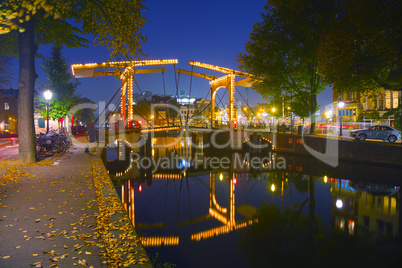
pixel 52 214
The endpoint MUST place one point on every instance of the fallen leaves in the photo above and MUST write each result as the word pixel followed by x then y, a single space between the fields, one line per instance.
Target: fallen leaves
pixel 112 236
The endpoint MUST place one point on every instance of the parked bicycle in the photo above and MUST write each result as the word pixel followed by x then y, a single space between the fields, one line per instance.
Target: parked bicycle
pixel 52 143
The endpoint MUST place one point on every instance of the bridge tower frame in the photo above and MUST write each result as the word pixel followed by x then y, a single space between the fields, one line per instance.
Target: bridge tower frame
pixel 125 70
pixel 227 81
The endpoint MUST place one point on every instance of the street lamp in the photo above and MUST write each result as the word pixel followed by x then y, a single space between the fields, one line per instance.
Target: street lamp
pixel 273 117
pixel 48 96
pixel 341 104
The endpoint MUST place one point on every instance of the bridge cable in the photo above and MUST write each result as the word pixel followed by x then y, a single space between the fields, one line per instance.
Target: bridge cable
pixel 209 91
pixel 248 105
pixel 117 105
pixel 176 80
pixel 96 120
pixel 220 101
pixel 163 78
pixel 136 83
pixel 189 95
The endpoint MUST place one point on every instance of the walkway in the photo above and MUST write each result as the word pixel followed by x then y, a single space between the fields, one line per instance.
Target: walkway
pixel 63 212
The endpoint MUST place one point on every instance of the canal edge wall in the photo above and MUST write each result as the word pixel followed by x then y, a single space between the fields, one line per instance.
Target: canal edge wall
pixel 109 196
pixel 350 150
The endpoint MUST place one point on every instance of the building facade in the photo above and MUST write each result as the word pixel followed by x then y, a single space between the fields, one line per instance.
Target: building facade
pixel 360 107
pixel 8 110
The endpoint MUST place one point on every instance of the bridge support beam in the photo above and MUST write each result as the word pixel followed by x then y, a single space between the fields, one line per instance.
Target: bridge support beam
pixel 227 82
pixel 123 100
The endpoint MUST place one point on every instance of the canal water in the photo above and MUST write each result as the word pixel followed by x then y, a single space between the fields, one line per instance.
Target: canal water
pixel 198 208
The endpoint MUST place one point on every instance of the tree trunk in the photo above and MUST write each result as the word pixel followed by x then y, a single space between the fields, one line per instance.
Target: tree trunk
pixel 313 107
pixel 27 76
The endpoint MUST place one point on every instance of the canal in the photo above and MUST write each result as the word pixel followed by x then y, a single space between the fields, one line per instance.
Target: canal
pixel 210 208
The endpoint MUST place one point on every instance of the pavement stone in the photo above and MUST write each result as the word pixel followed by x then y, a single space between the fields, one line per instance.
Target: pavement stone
pixel 47 212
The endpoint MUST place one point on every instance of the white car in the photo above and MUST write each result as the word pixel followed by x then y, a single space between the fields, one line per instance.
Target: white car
pixel 377 132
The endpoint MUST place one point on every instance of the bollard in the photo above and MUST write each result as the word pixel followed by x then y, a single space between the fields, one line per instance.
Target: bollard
pixel 86 149
pixel 12 139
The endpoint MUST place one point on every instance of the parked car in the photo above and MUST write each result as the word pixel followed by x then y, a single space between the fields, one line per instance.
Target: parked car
pixel 377 132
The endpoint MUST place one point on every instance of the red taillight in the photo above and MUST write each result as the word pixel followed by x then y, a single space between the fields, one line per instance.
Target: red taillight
pixel 140 188
pixel 12 138
pixel 234 180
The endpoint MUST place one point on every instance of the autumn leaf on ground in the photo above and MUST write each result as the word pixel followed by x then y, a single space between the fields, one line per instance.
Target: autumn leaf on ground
pixel 83 262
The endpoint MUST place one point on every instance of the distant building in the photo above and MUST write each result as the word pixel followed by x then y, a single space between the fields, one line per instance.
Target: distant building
pixel 186 112
pixel 8 110
pixel 203 107
pixel 362 107
pixel 184 99
pixel 161 107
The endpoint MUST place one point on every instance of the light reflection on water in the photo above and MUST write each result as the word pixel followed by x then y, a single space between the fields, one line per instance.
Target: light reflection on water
pixel 194 217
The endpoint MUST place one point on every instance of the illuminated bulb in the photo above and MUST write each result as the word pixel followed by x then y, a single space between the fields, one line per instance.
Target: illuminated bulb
pixel 273 187
pixel 234 180
pixel 339 203
pixel 325 179
pixel 221 177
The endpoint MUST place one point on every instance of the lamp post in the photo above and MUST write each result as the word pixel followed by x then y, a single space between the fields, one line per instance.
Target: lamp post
pixel 273 117
pixel 48 97
pixel 341 104
pixel 291 119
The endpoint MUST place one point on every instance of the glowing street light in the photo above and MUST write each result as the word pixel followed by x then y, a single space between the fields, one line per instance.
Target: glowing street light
pixel 341 104
pixel 273 117
pixel 48 96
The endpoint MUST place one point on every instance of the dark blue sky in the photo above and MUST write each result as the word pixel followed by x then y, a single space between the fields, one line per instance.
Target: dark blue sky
pixel 207 31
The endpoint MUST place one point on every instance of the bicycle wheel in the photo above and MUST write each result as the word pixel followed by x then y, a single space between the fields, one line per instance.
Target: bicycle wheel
pixel 62 147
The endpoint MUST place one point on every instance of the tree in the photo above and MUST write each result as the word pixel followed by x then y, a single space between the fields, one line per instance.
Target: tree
pixel 361 50
pixel 86 115
pixel 25 24
pixel 282 50
pixel 59 82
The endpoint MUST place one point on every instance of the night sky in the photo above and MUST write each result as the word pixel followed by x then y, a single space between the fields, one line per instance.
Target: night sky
pixel 207 31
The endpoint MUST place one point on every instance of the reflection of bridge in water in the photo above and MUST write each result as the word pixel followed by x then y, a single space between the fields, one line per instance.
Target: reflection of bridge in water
pixel 225 215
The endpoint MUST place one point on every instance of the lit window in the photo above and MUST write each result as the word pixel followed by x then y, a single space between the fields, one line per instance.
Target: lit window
pixel 388 99
pixel 386 205
pixel 395 99
pixel 6 106
pixel 393 206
